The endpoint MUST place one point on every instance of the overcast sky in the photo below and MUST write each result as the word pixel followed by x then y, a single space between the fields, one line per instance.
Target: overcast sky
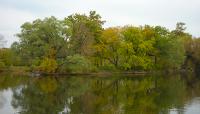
pixel 13 13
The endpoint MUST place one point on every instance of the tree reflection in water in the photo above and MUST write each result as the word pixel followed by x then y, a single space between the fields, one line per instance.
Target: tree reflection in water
pixel 104 95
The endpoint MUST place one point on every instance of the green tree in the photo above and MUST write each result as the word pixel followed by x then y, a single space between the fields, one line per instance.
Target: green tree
pixel 171 51
pixel 84 31
pixel 136 49
pixel 107 50
pixel 41 36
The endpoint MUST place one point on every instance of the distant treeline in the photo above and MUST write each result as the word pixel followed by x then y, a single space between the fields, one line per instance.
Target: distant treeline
pixel 79 43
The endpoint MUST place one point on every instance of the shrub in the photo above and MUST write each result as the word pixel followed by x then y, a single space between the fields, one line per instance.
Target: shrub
pixel 108 67
pixel 48 65
pixel 77 64
pixel 2 65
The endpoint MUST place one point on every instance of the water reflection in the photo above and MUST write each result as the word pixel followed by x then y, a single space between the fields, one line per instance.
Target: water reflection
pixel 102 95
pixel 2 100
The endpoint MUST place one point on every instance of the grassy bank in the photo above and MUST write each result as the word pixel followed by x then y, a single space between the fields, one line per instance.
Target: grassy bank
pixel 16 70
pixel 24 70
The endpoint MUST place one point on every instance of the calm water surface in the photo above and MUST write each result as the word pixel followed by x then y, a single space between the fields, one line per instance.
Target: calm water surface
pixel 172 94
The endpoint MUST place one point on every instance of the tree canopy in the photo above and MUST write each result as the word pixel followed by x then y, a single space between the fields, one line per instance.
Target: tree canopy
pixel 52 45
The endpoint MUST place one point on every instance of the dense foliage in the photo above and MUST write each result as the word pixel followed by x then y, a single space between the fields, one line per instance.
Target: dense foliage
pixel 79 43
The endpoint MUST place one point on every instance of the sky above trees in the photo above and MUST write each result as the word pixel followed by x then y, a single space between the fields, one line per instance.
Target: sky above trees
pixel 116 13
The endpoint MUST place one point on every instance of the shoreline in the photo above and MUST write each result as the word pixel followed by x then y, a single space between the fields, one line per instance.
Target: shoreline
pixel 25 71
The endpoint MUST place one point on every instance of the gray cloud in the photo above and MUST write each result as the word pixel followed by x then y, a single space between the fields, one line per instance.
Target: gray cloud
pixel 115 12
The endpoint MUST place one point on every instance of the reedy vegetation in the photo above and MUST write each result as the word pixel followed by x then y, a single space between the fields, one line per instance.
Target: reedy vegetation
pixel 79 43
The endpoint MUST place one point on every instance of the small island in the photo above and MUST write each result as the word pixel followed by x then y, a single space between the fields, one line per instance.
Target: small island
pixel 79 44
pixel 99 57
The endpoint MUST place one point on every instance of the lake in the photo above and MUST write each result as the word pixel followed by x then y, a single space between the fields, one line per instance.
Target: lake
pixel 117 94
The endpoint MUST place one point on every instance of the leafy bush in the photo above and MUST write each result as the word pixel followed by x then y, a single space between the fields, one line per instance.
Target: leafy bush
pixel 77 64
pixel 2 65
pixel 108 67
pixel 48 65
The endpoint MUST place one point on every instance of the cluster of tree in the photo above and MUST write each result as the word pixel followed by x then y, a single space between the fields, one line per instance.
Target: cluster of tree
pixel 79 43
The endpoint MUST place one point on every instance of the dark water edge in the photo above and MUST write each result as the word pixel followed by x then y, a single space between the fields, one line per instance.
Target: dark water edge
pixel 94 94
